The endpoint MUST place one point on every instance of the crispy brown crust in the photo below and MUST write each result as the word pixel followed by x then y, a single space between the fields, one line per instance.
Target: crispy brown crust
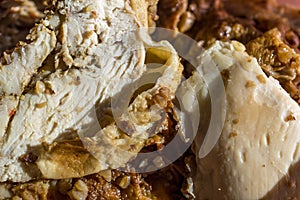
pixel 278 60
pixel 209 24
pixel 251 23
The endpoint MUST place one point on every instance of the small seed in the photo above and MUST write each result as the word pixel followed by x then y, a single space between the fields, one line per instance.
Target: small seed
pixel 250 84
pixel 81 186
pixel 235 121
pixel 106 174
pixel 261 79
pixel 124 182
pixel 88 8
pixel 40 87
pixel 40 105
pixel 290 118
pixel 233 134
pixel 239 47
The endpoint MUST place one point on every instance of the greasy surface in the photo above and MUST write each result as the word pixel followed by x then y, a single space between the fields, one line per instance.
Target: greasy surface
pixel 260 135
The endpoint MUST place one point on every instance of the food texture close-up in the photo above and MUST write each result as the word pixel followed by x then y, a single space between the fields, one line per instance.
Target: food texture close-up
pixel 149 99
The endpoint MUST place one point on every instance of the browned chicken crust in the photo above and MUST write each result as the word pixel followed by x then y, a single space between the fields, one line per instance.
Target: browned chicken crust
pixel 275 49
pixel 270 31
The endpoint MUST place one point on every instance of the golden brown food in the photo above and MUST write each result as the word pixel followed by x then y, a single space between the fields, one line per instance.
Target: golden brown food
pixel 275 26
pixel 278 60
pixel 58 57
pixel 269 31
pixel 271 34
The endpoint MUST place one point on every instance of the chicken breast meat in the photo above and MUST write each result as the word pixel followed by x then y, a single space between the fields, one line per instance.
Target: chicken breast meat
pixel 55 88
pixel 256 156
pixel 81 54
pixel 260 134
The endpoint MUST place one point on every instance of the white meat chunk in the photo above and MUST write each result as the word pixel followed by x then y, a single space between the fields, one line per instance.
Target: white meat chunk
pixel 99 52
pixel 260 138
pixel 18 67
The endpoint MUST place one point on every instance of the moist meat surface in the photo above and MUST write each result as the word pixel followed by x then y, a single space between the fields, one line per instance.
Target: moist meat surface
pixel 80 47
pixel 260 134
pixel 270 32
pixel 63 151
pixel 247 22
